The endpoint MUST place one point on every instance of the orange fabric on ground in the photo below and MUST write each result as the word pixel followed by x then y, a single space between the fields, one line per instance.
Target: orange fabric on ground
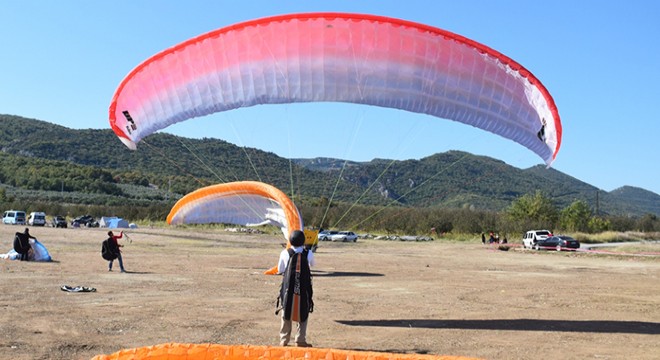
pixel 174 351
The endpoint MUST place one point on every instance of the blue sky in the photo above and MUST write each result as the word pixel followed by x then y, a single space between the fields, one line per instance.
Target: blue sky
pixel 61 62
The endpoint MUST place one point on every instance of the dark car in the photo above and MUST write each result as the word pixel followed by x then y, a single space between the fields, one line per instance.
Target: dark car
pixel 85 220
pixel 559 243
pixel 59 222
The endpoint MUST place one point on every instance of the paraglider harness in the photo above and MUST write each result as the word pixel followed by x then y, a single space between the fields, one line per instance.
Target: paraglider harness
pixel 109 249
pixel 296 289
pixel 22 244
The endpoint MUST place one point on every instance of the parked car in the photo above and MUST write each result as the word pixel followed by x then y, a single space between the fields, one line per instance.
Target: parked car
pixel 58 222
pixel 14 217
pixel 84 220
pixel 531 237
pixel 37 219
pixel 559 243
pixel 344 236
pixel 325 235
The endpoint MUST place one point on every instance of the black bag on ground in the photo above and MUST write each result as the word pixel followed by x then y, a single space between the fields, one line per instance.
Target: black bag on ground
pixel 296 290
pixel 21 243
pixel 109 249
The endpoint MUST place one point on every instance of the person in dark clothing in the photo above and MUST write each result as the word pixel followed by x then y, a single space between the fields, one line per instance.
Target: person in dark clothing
pixel 296 289
pixel 22 244
pixel 112 240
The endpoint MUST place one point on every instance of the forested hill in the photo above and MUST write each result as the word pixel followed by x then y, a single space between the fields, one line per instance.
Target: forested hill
pixel 460 179
pixel 55 158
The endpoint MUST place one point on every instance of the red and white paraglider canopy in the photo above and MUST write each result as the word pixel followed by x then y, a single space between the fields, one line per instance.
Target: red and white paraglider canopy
pixel 338 57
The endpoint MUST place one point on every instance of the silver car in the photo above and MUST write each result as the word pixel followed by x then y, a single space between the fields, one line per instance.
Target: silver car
pixel 345 236
pixel 326 234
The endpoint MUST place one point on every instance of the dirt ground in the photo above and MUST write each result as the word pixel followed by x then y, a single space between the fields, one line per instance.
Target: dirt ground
pixel 427 297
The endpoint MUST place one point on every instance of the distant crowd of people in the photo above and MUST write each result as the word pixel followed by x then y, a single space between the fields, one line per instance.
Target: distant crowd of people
pixel 493 238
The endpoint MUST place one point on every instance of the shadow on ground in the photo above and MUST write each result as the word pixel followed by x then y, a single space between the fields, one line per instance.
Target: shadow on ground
pixel 343 273
pixel 593 326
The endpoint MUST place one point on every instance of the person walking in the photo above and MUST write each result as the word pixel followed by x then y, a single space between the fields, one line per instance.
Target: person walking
pixel 296 289
pixel 114 246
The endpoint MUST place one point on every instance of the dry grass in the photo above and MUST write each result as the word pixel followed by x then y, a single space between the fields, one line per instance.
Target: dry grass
pixel 442 298
pixel 615 236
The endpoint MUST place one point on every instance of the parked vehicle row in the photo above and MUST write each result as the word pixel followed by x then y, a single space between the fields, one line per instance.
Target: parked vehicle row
pixel 36 218
pixel 533 236
pixel 544 239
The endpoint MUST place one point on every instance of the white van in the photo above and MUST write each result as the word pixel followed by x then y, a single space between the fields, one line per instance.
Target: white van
pixel 14 217
pixel 37 219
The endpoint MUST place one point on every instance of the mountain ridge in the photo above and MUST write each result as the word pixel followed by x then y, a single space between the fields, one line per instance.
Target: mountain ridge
pixel 453 179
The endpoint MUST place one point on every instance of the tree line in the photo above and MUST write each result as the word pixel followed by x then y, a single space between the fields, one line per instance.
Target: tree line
pixel 531 211
pixel 62 188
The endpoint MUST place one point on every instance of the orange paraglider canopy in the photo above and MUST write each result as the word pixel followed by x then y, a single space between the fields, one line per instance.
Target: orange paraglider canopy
pixel 171 351
pixel 249 203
